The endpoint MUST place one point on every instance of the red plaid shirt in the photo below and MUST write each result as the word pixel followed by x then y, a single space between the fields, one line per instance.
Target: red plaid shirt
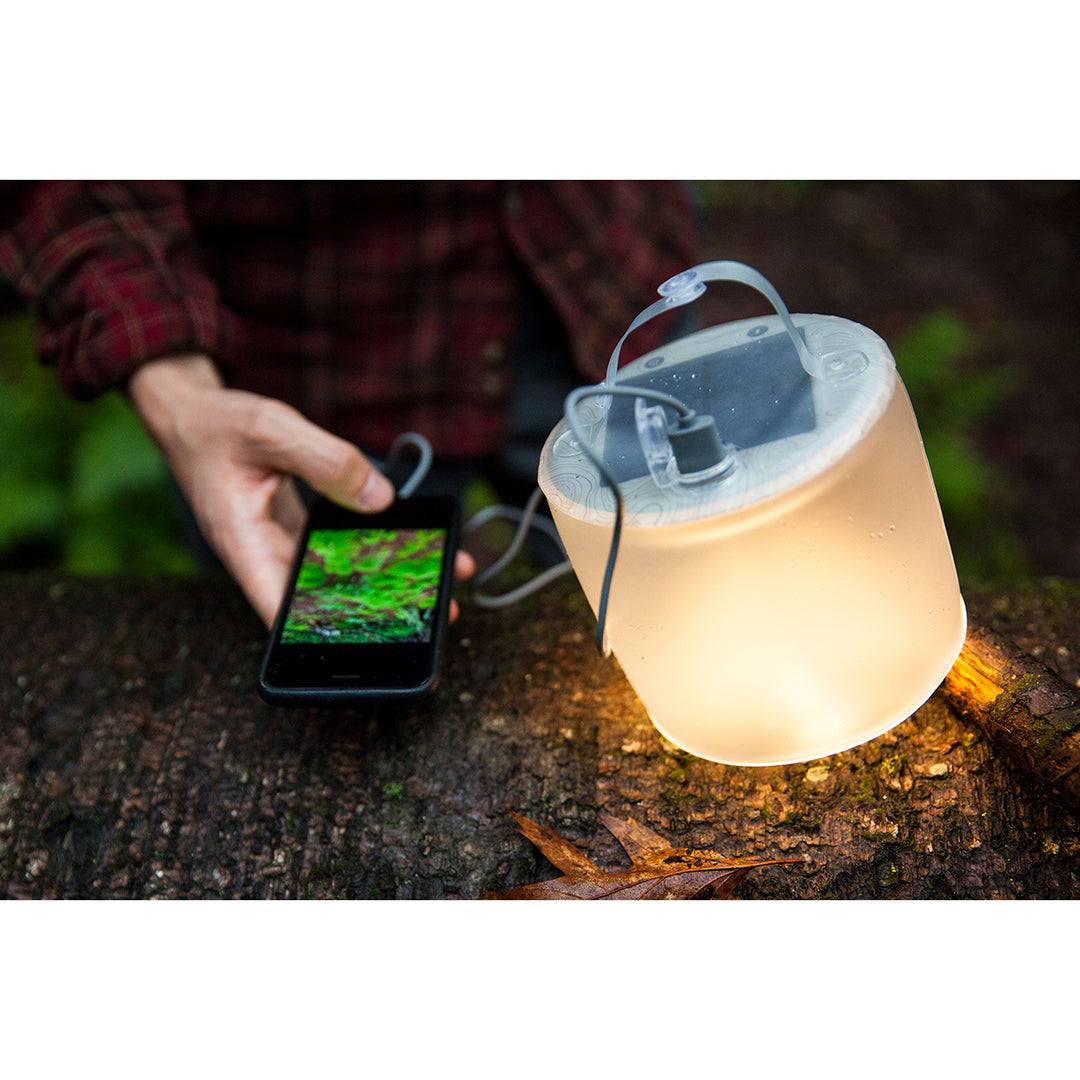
pixel 373 307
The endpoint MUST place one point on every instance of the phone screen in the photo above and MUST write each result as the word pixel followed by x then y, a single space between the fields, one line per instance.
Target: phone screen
pixel 367 605
pixel 366 586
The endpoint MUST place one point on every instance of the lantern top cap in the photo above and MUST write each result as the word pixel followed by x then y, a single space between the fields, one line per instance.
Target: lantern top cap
pixel 791 394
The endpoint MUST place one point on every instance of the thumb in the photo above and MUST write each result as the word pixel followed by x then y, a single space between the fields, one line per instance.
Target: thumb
pixel 290 443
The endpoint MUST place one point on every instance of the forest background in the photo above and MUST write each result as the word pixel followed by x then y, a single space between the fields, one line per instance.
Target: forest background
pixel 973 284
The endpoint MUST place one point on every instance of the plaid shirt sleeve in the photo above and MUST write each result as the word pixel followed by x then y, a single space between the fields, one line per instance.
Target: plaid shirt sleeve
pixel 111 275
pixel 373 307
pixel 599 249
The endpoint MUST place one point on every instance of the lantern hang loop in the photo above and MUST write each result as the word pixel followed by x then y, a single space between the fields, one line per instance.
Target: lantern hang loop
pixel 687 286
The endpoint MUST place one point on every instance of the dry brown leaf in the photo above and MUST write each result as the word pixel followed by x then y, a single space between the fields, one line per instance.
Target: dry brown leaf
pixel 657 872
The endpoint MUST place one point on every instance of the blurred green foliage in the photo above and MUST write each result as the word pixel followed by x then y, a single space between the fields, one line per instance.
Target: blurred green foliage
pixel 82 487
pixel 743 194
pixel 951 400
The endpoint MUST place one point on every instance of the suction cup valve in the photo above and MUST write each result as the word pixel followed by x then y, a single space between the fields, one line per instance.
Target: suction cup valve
pixel 842 365
pixel 682 288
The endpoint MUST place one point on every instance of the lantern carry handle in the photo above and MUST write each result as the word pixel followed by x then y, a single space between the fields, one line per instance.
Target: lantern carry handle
pixel 690 284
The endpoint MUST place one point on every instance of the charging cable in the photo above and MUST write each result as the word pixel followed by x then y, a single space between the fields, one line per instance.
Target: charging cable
pixel 690 450
pixel 696 448
pixel 422 467
pixel 695 445
pixel 688 443
pixel 526 519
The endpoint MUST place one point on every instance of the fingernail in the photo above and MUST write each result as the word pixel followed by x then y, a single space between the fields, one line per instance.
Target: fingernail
pixel 378 492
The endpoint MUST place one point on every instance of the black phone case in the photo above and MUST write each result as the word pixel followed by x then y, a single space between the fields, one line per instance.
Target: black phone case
pixel 344 696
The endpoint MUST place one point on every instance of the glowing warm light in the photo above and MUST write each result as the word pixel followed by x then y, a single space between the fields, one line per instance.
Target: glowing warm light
pixel 972 680
pixel 795 626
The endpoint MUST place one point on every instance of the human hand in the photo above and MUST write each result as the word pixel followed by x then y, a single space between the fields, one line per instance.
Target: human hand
pixel 233 453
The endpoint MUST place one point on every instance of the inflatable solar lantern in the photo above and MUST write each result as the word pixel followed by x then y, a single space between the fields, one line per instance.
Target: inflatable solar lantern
pixel 751 516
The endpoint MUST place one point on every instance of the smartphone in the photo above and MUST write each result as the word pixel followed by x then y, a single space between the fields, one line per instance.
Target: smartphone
pixel 365 612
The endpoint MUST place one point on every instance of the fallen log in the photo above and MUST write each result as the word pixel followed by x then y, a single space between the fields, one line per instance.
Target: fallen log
pixel 136 761
pixel 1023 707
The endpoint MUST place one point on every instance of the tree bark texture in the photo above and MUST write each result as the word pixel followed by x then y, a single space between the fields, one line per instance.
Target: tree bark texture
pixel 137 761
pixel 1024 707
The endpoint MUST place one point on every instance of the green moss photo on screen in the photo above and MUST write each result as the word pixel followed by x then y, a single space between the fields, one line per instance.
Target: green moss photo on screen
pixel 366 585
pixel 366 611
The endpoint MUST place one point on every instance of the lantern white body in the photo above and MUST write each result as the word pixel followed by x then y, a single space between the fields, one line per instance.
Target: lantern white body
pixel 791 628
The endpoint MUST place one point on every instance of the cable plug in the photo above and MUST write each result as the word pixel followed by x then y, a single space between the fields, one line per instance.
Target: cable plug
pixel 696 444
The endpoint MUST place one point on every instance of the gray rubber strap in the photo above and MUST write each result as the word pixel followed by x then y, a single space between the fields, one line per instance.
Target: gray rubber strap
pixel 690 284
